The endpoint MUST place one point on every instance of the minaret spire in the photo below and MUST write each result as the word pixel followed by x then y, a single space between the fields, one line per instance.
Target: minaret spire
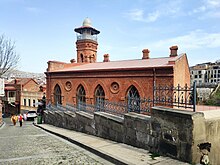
pixel 86 43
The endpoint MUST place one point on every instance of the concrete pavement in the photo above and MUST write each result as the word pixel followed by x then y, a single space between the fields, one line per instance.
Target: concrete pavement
pixel 30 145
pixel 117 153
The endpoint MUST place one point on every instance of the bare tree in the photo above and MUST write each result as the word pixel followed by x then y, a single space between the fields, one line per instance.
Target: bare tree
pixel 8 56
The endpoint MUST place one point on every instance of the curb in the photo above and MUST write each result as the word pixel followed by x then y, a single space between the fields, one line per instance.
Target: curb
pixel 2 124
pixel 96 152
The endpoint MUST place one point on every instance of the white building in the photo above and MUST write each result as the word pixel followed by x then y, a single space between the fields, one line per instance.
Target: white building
pixel 206 73
pixel 207 77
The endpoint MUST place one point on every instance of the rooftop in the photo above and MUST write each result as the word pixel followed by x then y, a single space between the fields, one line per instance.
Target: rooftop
pixel 122 65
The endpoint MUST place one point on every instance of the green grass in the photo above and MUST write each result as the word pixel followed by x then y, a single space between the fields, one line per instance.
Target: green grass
pixel 154 155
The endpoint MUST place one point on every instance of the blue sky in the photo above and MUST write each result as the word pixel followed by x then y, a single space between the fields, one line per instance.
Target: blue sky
pixel 43 30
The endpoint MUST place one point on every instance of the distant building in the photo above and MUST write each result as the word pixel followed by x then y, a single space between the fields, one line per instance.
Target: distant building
pixel 204 91
pixel 88 80
pixel 207 77
pixel 206 73
pixel 22 95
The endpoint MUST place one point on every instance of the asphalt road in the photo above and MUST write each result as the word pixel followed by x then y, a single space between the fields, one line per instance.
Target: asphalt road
pixel 29 145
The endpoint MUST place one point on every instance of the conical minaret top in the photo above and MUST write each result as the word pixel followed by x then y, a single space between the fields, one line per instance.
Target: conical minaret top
pixel 86 43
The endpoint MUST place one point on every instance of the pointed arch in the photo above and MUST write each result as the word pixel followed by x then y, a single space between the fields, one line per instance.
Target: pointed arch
pixel 133 99
pixel 80 94
pixel 99 94
pixel 133 92
pixel 57 94
pixel 103 85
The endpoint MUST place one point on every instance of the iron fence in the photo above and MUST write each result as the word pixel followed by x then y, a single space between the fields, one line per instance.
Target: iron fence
pixel 169 96
pixel 181 97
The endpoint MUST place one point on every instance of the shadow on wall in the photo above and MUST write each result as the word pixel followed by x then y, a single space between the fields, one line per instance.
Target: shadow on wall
pixel 168 132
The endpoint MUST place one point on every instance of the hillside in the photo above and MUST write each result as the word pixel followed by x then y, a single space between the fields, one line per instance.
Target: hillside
pixel 39 77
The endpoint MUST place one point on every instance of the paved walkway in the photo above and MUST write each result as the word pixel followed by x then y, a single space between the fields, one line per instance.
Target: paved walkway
pixel 118 153
pixel 29 145
pixel 213 114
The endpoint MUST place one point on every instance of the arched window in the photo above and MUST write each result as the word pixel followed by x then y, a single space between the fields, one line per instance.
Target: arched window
pixel 99 95
pixel 133 99
pixel 81 57
pixel 57 95
pixel 80 95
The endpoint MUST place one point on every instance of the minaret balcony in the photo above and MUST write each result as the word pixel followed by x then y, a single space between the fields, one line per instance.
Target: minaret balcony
pixel 88 37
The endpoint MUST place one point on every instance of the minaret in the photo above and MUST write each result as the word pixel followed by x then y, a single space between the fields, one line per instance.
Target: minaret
pixel 86 44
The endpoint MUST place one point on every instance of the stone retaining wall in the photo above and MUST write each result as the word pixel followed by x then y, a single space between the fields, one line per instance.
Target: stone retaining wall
pixel 168 132
pixel 212 135
pixel 109 126
pixel 138 131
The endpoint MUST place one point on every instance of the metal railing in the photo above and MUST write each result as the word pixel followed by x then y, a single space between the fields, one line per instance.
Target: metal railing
pixel 86 36
pixel 180 97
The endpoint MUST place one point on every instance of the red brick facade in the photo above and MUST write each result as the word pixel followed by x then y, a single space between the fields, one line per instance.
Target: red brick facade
pixel 117 77
pixel 22 95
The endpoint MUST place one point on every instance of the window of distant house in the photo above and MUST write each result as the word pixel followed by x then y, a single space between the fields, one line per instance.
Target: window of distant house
pixel 200 72
pixel 11 94
pixel 195 76
pixel 25 103
pixel 41 88
pixel 33 103
pixel 200 76
pixel 29 102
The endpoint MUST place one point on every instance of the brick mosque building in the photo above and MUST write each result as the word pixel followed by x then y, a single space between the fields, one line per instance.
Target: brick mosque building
pixel 86 80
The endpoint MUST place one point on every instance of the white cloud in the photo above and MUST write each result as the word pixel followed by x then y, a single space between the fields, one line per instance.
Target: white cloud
pixel 138 15
pixel 33 10
pixel 208 9
pixel 169 8
pixel 153 16
pixel 194 40
pixel 213 3
pixel 199 9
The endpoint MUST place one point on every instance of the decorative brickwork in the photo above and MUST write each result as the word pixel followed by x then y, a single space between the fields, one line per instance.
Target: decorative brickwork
pixel 115 77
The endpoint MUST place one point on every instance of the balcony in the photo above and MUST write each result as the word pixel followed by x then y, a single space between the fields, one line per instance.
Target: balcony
pixel 86 36
pixel 11 99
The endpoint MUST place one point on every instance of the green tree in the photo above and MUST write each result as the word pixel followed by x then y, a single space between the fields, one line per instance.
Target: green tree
pixel 8 56
pixel 214 99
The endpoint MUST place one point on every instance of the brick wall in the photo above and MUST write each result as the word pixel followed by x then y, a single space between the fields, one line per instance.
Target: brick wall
pixel 30 91
pixel 141 79
pixel 181 72
pixel 31 86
